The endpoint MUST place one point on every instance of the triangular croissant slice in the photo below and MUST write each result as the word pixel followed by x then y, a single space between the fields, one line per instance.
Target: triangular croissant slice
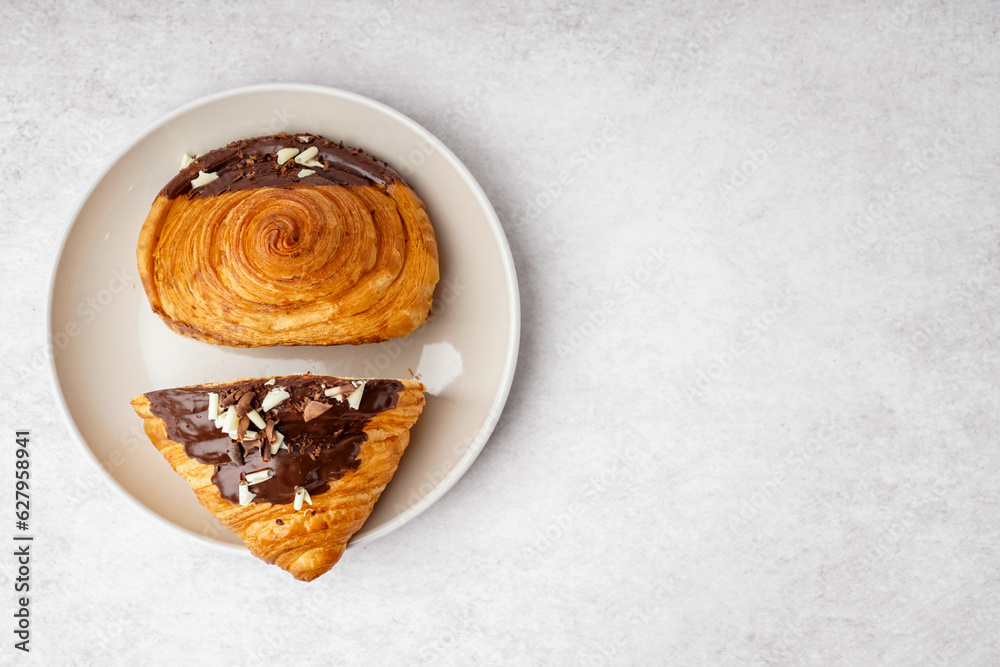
pixel 292 464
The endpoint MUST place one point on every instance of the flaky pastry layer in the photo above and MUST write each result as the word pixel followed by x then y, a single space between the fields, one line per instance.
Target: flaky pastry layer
pixel 294 265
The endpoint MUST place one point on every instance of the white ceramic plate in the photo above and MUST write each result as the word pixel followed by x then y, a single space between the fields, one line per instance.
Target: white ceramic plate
pixel 108 346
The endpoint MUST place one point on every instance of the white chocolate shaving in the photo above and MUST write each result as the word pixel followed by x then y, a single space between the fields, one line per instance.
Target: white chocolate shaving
pixel 271 381
pixel 279 442
pixel 231 422
pixel 186 161
pixel 260 476
pixel 213 405
pixel 301 495
pixel 204 179
pixel 336 391
pixel 307 155
pixel 354 400
pixel 306 172
pixel 246 495
pixel 286 154
pixel 273 398
pixel 256 419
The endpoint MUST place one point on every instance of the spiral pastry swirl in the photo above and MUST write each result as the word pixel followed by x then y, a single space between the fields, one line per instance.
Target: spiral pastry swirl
pixel 332 249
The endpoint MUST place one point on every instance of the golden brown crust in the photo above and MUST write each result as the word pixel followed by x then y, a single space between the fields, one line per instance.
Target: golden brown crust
pixel 299 265
pixel 313 539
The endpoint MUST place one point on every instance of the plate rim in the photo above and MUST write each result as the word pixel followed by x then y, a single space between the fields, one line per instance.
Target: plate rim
pixel 507 260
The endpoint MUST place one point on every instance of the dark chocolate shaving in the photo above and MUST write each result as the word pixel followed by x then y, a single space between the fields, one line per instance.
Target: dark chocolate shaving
pixel 243 405
pixel 314 409
pixel 241 429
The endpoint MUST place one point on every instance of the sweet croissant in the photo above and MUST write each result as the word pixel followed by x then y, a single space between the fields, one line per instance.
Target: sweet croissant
pixel 293 465
pixel 288 240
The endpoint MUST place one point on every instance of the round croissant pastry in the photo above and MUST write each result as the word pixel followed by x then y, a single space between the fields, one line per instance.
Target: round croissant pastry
pixel 288 240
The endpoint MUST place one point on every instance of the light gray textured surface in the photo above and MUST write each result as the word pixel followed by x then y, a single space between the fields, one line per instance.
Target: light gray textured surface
pixel 755 414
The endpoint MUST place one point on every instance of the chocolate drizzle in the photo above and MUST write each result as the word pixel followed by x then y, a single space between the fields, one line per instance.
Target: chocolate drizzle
pixel 253 163
pixel 322 449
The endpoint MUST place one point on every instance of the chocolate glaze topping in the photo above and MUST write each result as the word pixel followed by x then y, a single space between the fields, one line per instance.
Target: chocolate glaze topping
pixel 320 450
pixel 253 163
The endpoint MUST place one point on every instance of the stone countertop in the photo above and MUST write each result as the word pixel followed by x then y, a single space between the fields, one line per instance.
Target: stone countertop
pixel 754 419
